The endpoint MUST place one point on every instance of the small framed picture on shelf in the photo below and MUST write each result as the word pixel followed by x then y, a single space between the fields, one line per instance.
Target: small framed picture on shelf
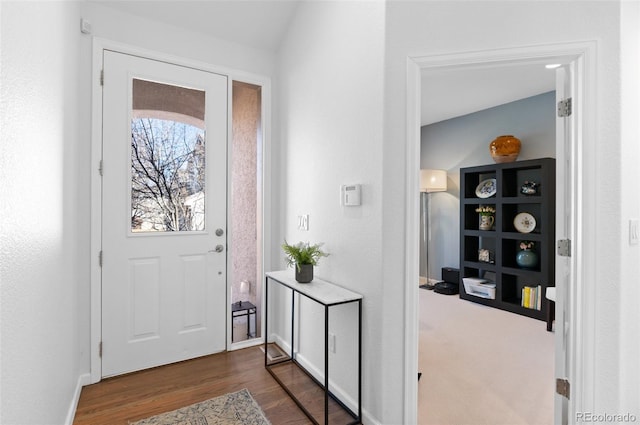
pixel 485 256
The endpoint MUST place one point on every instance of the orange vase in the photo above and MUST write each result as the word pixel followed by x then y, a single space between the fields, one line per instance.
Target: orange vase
pixel 505 148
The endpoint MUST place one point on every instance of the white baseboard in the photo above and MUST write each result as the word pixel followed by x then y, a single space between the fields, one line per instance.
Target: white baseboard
pixel 367 419
pixel 335 389
pixel 319 375
pixel 284 345
pixel 84 379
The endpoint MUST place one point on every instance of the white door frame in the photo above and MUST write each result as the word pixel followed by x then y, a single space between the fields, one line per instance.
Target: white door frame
pixel 581 322
pixel 99 45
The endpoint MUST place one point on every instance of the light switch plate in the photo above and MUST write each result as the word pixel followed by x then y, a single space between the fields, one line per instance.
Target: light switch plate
pixel 85 26
pixel 332 342
pixel 303 222
pixel 634 231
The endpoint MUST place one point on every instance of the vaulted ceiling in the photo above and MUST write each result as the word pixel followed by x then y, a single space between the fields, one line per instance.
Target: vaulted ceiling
pixel 256 23
pixel 262 24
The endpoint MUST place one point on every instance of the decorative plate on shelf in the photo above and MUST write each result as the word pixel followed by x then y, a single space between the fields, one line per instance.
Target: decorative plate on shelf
pixel 524 222
pixel 486 188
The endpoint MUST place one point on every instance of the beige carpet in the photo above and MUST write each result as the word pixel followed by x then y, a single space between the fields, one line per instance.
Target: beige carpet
pixel 237 408
pixel 482 365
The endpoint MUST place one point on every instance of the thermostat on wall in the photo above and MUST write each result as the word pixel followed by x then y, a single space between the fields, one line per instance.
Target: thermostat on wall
pixel 351 195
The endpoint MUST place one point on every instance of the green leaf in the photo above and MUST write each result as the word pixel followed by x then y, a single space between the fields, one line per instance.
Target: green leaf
pixel 303 253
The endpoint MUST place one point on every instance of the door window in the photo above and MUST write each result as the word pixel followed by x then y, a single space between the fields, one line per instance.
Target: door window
pixel 167 158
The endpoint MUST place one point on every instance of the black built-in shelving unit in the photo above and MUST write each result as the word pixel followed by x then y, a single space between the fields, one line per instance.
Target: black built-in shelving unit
pixel 503 241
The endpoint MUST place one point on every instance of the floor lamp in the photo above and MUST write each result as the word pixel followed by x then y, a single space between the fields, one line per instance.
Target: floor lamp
pixel 430 181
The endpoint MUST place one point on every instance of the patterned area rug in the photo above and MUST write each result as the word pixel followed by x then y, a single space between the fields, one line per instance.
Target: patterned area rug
pixel 230 409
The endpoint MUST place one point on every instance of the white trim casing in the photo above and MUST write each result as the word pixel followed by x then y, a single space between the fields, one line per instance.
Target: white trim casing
pixel 584 247
pixel 582 320
pixel 96 213
pixel 99 45
pixel 412 218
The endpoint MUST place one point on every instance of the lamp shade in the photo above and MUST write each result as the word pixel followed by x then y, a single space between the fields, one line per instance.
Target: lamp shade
pixel 433 181
pixel 245 287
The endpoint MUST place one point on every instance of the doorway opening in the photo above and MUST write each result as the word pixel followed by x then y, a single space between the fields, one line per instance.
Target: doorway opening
pixel 226 279
pixel 574 156
pixel 467 350
pixel 245 164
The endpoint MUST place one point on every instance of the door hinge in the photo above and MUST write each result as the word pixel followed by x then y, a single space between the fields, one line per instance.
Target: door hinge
pixel 564 108
pixel 100 349
pixel 102 77
pixel 100 169
pixel 100 259
pixel 564 247
pixel 563 387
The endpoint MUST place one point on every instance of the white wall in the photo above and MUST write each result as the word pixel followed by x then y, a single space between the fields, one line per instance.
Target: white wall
pixel 430 28
pixel 464 142
pixel 629 315
pixel 330 78
pixel 44 263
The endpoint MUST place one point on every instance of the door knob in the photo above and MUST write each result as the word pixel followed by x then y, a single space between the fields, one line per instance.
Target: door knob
pixel 218 248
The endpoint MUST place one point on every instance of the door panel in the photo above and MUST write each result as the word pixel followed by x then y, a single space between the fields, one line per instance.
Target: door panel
pixel 194 291
pixel 164 194
pixel 144 317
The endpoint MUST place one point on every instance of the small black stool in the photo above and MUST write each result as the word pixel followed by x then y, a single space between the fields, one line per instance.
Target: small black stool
pixel 240 309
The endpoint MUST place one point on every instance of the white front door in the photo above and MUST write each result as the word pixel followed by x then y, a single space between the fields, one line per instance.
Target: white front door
pixel 164 213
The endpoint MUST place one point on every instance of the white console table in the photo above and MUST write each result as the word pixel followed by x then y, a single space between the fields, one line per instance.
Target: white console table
pixel 328 295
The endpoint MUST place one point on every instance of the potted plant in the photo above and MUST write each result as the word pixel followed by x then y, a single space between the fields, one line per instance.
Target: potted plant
pixel 303 256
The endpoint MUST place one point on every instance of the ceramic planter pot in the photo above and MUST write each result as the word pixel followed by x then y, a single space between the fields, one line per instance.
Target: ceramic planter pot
pixel 486 222
pixel 304 273
pixel 527 259
pixel 505 148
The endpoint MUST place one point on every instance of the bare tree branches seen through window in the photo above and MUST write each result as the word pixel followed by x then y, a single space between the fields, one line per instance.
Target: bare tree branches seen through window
pixel 167 176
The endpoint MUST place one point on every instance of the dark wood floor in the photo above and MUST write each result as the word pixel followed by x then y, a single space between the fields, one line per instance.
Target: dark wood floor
pixel 310 394
pixel 142 394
